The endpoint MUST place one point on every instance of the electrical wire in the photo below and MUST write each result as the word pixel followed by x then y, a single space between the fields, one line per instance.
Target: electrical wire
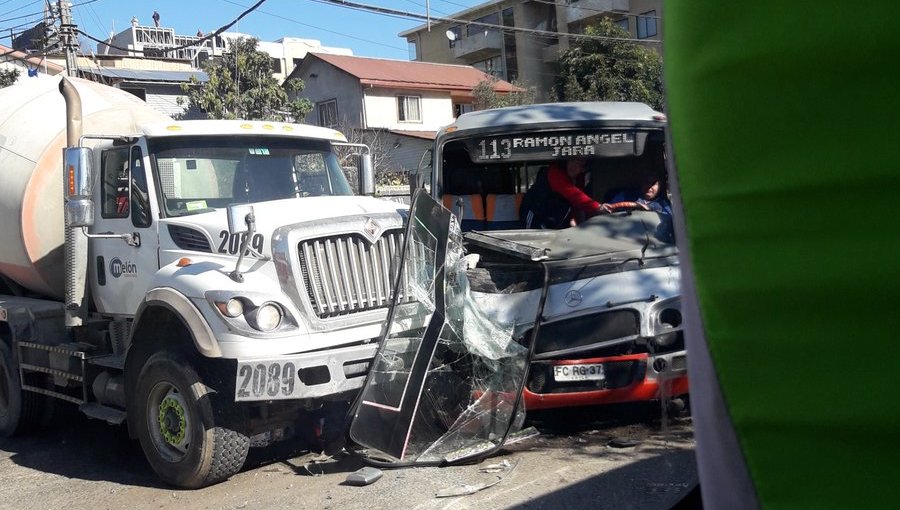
pixel 198 42
pixel 19 8
pixel 593 9
pixel 395 13
pixel 320 28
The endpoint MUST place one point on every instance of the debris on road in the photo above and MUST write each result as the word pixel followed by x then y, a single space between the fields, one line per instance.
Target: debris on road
pixel 363 476
pixel 621 442
pixel 467 489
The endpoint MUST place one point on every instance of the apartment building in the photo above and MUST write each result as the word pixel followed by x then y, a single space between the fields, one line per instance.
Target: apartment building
pixel 528 58
pixel 154 42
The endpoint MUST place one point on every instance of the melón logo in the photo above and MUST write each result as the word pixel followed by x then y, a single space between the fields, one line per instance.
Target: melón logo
pixel 118 268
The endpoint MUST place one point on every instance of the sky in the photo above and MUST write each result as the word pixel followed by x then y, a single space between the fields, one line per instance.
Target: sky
pixel 367 34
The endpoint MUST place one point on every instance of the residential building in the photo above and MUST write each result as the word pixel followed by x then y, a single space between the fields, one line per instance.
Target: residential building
pixel 157 81
pixel 402 104
pixel 29 66
pixel 137 40
pixel 530 59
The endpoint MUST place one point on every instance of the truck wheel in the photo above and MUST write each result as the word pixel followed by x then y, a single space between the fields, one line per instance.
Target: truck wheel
pixel 20 411
pixel 177 428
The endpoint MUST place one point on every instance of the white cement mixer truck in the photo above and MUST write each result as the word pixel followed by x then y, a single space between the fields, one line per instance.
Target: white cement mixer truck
pixel 208 283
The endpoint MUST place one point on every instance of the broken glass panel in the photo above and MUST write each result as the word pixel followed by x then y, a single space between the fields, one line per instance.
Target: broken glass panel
pixel 446 382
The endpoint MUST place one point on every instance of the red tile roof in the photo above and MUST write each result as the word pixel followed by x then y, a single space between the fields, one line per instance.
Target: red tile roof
pixel 424 135
pixel 404 74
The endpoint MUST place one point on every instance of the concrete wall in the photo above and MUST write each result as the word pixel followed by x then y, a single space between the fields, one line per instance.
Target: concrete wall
pixel 536 56
pixel 332 83
pixel 382 109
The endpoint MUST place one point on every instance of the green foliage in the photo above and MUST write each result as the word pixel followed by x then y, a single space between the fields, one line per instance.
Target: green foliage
pixel 8 77
pixel 241 85
pixel 610 70
pixel 485 97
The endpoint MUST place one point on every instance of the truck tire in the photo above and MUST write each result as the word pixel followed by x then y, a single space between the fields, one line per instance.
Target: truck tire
pixel 177 428
pixel 20 411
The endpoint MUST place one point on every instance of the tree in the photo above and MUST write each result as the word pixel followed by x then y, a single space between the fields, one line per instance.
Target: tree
pixel 241 85
pixel 486 97
pixel 609 69
pixel 8 77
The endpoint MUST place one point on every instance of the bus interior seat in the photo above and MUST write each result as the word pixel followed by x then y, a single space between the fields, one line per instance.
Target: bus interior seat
pixel 473 210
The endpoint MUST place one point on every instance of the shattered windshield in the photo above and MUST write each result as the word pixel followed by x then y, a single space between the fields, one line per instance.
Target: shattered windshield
pixel 445 382
pixel 198 174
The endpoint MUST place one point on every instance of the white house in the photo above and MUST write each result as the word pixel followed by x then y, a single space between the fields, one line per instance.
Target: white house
pixel 400 103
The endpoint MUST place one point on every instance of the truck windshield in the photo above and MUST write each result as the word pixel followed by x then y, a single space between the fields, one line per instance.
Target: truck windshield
pixel 198 174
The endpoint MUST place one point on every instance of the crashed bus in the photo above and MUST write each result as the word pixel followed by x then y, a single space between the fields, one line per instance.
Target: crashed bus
pixel 610 330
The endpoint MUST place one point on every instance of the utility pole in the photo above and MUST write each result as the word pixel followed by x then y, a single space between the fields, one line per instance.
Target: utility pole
pixel 67 35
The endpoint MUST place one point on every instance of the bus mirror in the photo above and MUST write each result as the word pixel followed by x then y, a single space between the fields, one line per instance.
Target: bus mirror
pixel 366 175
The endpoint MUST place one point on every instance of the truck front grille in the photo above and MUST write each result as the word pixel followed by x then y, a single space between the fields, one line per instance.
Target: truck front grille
pixel 346 274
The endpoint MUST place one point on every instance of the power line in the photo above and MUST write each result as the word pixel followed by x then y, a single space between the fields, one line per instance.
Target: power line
pixel 19 8
pixel 593 9
pixel 320 28
pixel 404 14
pixel 182 46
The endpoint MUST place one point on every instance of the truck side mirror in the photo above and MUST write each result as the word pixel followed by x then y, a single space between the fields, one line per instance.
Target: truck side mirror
pixel 238 222
pixel 79 206
pixel 366 175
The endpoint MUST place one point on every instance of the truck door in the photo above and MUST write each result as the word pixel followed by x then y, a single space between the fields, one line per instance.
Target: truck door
pixel 120 273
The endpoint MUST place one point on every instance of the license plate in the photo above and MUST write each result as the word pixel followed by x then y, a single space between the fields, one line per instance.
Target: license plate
pixel 266 380
pixel 578 373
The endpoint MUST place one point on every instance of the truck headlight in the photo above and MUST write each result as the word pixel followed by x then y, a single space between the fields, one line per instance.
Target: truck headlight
pixel 265 317
pixel 231 308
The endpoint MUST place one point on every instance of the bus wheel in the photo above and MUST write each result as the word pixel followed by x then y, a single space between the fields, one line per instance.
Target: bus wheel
pixel 177 428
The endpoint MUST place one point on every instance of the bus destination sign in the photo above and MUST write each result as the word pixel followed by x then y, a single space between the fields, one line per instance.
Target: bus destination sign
pixel 555 145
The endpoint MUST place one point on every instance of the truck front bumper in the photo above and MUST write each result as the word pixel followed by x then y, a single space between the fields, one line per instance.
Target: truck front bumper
pixel 303 376
pixel 628 378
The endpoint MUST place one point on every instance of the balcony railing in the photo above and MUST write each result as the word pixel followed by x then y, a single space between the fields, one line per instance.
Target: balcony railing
pixel 478 46
pixel 581 10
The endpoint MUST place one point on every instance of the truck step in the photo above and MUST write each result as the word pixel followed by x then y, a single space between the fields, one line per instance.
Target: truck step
pixel 70 349
pixel 108 361
pixel 54 394
pixel 52 371
pixel 108 414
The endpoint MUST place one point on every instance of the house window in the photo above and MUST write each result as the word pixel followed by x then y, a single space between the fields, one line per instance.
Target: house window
pixel 412 47
pixel 409 108
pixel 491 66
pixel 646 25
pixel 491 19
pixel 328 113
pixel 297 62
pixel 140 93
pixel 623 24
pixel 276 65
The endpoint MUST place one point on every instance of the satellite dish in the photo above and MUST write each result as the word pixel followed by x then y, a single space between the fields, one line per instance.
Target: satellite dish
pixel 451 35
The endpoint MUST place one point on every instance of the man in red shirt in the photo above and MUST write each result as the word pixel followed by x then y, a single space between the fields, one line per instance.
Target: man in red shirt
pixel 556 198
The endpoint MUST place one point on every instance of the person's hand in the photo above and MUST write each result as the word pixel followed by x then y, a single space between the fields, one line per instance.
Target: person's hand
pixel 604 209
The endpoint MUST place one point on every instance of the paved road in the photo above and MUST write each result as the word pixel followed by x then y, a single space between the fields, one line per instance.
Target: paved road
pixel 80 463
